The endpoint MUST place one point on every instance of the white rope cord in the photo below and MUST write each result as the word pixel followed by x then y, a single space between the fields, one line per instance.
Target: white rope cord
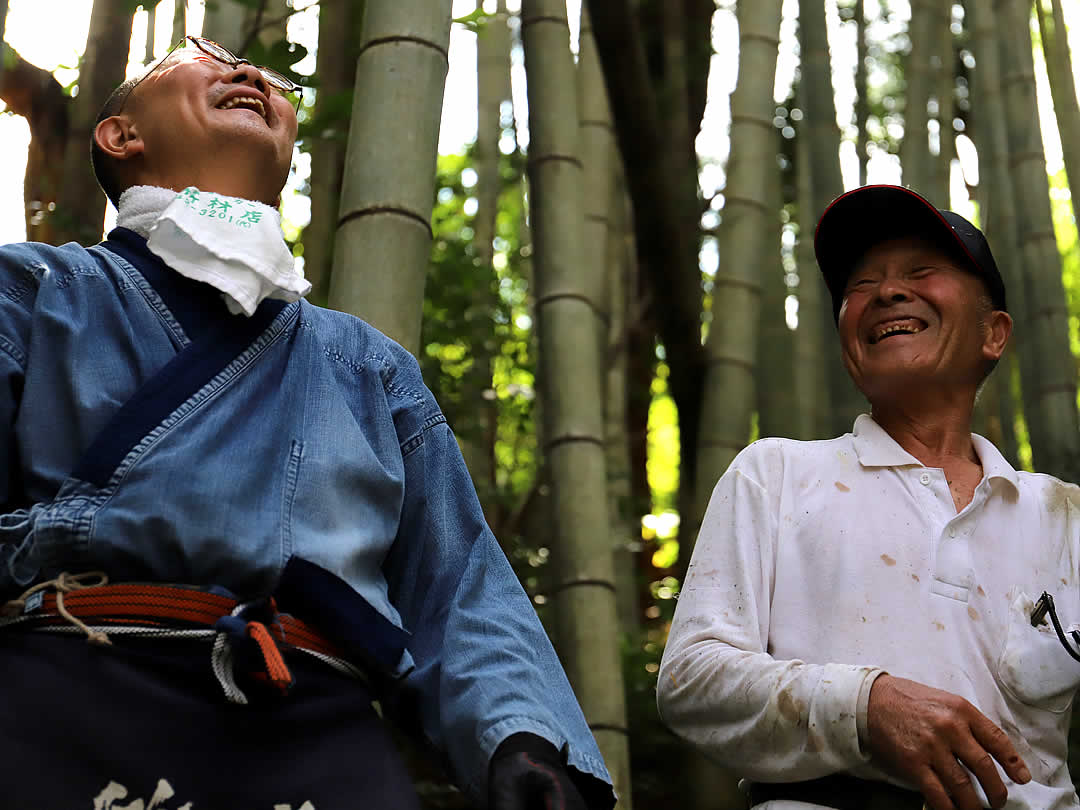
pixel 63 583
pixel 137 632
pixel 340 664
pixel 221 664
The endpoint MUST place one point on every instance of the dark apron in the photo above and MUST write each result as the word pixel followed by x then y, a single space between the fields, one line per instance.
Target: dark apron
pixel 85 726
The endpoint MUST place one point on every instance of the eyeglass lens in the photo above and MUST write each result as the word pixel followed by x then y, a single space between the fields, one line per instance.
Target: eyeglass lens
pixel 277 80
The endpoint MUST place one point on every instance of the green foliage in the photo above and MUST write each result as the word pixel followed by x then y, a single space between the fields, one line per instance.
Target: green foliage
pixel 456 325
pixel 663 443
pixel 474 21
pixel 657 756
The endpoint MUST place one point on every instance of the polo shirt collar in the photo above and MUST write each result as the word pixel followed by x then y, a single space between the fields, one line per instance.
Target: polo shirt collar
pixel 993 463
pixel 876 448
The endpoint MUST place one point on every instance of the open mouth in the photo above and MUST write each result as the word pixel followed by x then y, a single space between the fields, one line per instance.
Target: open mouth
pixel 905 326
pixel 244 103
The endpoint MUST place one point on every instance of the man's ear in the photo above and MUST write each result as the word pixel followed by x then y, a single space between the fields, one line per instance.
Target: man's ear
pixel 998 329
pixel 118 137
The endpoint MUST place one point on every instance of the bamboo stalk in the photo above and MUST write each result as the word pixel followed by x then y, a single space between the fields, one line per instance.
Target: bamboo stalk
pixel 749 229
pixel 384 225
pixel 571 379
pixel 1059 70
pixel 339 32
pixel 826 183
pixel 1053 422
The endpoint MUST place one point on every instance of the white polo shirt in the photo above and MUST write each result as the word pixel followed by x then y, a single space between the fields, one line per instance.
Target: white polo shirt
pixel 820 565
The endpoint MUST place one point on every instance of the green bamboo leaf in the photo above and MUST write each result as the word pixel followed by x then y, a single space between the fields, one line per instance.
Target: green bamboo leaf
pixel 474 21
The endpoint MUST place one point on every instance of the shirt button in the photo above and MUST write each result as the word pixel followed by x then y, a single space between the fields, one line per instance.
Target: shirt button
pixel 952 532
pixel 924 479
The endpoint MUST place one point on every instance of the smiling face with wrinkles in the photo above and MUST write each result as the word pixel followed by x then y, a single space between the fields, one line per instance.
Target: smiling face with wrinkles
pixel 913 315
pixel 195 121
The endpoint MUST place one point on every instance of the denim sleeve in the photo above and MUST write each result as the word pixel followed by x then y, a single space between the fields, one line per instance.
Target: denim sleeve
pixel 20 269
pixel 485 669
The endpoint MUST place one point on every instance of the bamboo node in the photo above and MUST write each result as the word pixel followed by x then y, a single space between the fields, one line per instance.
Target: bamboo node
pixel 715 360
pixel 405 213
pixel 404 38
pixel 544 18
pixel 581 583
pixel 573 438
pixel 573 160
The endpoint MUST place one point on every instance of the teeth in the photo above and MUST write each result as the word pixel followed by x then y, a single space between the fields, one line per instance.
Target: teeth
pixel 247 102
pixel 905 328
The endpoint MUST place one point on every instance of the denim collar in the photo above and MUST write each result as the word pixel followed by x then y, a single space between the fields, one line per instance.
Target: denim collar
pixel 197 306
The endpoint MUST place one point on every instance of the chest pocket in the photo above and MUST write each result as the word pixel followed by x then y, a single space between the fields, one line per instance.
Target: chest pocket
pixel 1033 666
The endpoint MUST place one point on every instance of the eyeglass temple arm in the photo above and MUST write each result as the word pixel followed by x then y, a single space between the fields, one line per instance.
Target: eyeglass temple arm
pixel 1043 607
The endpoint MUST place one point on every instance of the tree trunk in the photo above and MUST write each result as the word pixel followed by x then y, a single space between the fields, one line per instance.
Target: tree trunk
pixel 384 226
pixel 80 203
pixel 660 192
pixel 862 89
pixel 625 528
pixel 269 23
pixel 1007 404
pixel 179 21
pixel 237 24
pixel 571 374
pixel 816 347
pixel 997 209
pixel 493 91
pixel 918 73
pixel 944 82
pixel 228 22
pixel 776 343
pixel 992 417
pixel 1055 44
pixel 339 37
pixel 1053 423
pixel 823 135
pixel 748 234
pixel 599 154
pixel 35 94
pixel 3 28
pixel 151 24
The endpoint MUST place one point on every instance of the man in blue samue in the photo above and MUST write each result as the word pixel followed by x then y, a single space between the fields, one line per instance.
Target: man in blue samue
pixel 250 507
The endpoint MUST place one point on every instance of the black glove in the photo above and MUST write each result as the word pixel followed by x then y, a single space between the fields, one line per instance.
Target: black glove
pixel 528 773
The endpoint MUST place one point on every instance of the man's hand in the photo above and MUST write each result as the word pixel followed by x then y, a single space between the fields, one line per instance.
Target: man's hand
pixel 527 773
pixel 922 735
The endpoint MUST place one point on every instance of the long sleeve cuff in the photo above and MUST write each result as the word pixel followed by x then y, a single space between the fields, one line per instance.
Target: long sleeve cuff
pixel 861 709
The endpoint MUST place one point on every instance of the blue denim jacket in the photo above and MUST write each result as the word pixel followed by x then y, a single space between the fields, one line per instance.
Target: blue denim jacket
pixel 154 436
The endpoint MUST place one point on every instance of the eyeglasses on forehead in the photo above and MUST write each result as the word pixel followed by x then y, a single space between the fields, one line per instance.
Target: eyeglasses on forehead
pixel 278 81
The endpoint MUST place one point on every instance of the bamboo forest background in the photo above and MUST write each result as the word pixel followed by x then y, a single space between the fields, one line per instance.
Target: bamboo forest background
pixel 608 305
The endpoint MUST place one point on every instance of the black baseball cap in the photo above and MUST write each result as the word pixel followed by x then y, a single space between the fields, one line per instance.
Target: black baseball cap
pixel 856 221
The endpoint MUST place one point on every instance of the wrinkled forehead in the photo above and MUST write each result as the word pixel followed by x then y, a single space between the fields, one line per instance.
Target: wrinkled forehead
pixel 180 58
